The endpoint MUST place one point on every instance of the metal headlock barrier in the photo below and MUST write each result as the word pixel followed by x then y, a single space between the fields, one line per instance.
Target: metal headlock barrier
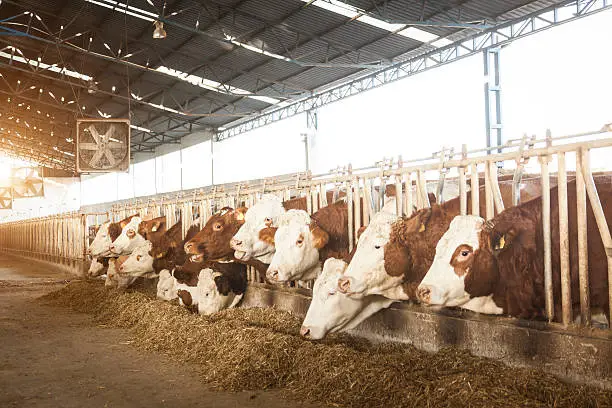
pixel 448 173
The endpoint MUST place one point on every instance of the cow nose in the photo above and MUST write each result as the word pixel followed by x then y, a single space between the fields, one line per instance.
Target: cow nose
pixel 424 293
pixel 121 268
pixel 112 247
pixel 344 285
pixel 235 242
pixel 305 332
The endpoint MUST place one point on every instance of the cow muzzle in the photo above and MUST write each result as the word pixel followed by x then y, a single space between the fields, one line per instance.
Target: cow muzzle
pixel 305 332
pixel 272 274
pixel 344 285
pixel 431 295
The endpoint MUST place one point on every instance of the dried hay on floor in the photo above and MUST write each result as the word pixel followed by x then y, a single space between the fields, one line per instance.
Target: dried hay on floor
pixel 250 349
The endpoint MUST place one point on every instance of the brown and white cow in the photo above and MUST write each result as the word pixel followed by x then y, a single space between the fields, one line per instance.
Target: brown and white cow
pixel 503 260
pixel 217 285
pixel 302 242
pixel 394 254
pixel 213 241
pixel 107 233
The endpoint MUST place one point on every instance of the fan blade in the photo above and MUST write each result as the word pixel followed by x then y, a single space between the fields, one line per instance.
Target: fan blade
pixel 96 158
pixel 94 133
pixel 110 157
pixel 115 145
pixel 88 146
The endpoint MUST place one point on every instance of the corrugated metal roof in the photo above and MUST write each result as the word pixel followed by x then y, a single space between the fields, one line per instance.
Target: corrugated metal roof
pixel 294 34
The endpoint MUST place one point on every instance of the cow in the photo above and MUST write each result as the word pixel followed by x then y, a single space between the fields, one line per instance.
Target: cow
pixel 166 286
pixel 246 243
pixel 221 289
pixel 129 239
pixel 232 279
pixel 107 233
pixel 303 242
pixel 152 230
pixel 213 241
pixel 330 310
pixel 139 262
pixel 394 254
pixel 502 260
pixel 116 280
pixel 98 266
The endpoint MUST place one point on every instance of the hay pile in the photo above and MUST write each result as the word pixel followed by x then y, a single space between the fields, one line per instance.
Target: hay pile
pixel 251 349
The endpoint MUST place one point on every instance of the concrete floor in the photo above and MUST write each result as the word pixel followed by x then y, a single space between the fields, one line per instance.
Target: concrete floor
pixel 53 357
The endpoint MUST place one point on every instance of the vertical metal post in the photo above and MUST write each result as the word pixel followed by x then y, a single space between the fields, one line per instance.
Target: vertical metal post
pixel 548 283
pixel 492 94
pixel 312 125
pixel 583 254
pixel 490 206
pixel 566 289
pixel 357 198
pixel 408 203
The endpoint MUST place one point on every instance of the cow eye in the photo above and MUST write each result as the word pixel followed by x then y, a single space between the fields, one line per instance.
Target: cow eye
pixel 138 257
pixel 377 246
pixel 268 219
pixel 465 253
pixel 218 227
pixel 300 241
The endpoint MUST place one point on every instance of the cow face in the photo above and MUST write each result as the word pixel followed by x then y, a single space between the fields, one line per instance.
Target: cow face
pixel 166 286
pixel 330 310
pixel 152 230
pixel 297 242
pixel 366 273
pixel 113 278
pixel 213 241
pixel 100 246
pixel 215 292
pixel 246 242
pixel 456 253
pixel 139 262
pixel 129 239
pixel 98 267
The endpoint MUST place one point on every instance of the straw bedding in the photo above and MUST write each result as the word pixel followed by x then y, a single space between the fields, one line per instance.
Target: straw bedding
pixel 253 349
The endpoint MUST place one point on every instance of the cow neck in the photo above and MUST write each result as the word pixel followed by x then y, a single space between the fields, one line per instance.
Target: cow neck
pixel 312 273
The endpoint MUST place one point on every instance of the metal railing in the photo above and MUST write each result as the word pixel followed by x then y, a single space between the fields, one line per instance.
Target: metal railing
pixel 446 172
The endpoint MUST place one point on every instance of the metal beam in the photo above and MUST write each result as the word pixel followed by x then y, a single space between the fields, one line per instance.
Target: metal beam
pixel 498 36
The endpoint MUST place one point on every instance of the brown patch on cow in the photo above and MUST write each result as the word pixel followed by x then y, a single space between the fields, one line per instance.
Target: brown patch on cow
pixel 127 220
pixel 169 251
pixel 320 238
pixel 462 259
pixel 267 235
pixel 333 220
pixel 187 274
pixel 213 241
pixel 185 297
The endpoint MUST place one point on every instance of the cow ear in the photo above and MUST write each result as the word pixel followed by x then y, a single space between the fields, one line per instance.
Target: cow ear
pixel 240 213
pixel 185 297
pixel 397 258
pixel 320 238
pixel 222 283
pixel 501 241
pixel 155 226
pixel 360 231
pixel 267 235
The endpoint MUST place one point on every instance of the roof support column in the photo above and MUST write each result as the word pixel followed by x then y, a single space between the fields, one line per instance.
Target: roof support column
pixel 312 125
pixel 492 95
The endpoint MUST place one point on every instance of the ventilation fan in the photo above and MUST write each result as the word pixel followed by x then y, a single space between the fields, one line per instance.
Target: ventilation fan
pixel 6 198
pixel 27 182
pixel 103 145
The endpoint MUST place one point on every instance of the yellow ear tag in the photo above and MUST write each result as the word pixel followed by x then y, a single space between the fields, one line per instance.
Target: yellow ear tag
pixel 154 229
pixel 239 216
pixel 422 228
pixel 502 242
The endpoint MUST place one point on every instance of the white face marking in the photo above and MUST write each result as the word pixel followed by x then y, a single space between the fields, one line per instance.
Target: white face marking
pixel 366 271
pixel 129 239
pixel 166 286
pixel 246 242
pixel 210 300
pixel 331 311
pixel 113 279
pixel 295 254
pixel 96 268
pixel 139 262
pixel 100 246
pixel 446 287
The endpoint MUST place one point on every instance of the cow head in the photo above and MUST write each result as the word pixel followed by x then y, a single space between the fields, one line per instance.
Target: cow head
pixel 129 239
pixel 215 292
pixel 106 234
pixel 246 242
pixel 366 273
pixel 213 241
pixel 166 286
pixel 113 278
pixel 139 262
pixel 152 230
pixel 330 310
pixel 297 242
pixel 168 242
pixel 98 267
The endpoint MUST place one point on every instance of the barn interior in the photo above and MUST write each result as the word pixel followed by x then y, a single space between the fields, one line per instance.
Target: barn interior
pixel 179 109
